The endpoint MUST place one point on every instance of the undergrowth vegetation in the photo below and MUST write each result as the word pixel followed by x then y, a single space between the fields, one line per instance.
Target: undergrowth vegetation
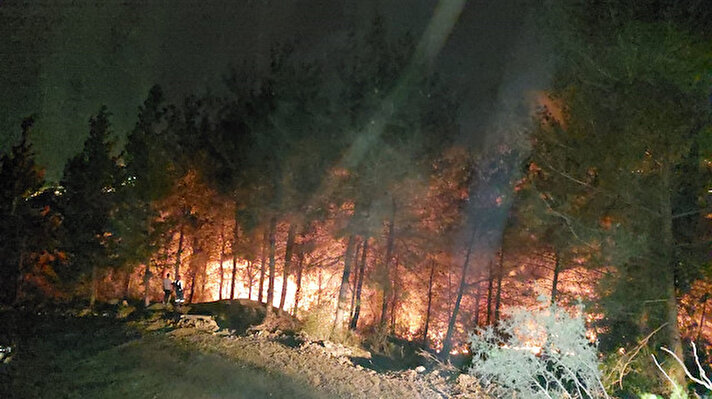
pixel 538 354
pixel 547 353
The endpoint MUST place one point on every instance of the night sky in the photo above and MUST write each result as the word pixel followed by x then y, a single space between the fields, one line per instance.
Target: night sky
pixel 62 59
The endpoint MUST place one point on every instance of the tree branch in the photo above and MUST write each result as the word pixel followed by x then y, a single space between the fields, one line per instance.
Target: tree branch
pixel 688 213
pixel 598 189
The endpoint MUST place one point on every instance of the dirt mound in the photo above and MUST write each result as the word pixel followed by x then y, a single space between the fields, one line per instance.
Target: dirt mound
pixel 200 322
pixel 239 315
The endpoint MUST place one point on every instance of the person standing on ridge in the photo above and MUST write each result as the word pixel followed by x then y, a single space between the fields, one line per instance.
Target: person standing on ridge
pixel 178 284
pixel 167 288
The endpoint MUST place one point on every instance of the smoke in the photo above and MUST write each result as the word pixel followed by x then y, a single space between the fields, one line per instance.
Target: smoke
pixel 505 143
pixel 70 57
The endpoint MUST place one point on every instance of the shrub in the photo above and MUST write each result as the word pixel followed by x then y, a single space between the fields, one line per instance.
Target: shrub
pixel 538 354
pixel 376 340
pixel 319 322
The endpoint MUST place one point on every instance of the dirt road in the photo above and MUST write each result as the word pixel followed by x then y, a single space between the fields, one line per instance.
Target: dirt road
pixel 95 357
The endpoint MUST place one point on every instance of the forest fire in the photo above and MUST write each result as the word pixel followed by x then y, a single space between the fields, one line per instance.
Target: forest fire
pixel 313 287
pixel 320 280
pixel 365 188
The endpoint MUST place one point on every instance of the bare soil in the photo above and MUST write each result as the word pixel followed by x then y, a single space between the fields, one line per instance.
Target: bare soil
pixel 158 355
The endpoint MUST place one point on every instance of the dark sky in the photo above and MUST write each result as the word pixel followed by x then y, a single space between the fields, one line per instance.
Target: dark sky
pixel 62 59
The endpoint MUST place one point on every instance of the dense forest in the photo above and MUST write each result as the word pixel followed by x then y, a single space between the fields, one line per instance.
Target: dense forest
pixel 349 192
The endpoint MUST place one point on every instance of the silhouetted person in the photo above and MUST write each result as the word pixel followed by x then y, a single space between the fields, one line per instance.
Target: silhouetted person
pixel 178 285
pixel 167 289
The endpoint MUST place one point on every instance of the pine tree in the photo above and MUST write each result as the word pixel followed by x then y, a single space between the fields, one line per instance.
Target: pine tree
pixel 633 109
pixel 144 182
pixel 89 183
pixel 20 179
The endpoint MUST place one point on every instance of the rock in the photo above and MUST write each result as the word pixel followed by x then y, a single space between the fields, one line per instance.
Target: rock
pixel 200 322
pixel 360 352
pixel 467 386
pixel 184 309
pixel 315 380
pixel 5 354
pixel 156 325
pixel 420 369
pixel 466 380
pixel 124 311
pixel 157 306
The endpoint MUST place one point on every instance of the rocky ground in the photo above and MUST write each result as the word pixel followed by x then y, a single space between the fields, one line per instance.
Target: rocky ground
pixel 167 354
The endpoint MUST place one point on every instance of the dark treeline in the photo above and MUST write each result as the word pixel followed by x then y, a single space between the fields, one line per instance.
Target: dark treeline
pixel 361 171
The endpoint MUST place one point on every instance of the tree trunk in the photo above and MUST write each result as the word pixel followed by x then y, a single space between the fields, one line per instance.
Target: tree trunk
pixel 490 280
pixel 394 301
pixel 555 280
pixel 204 274
pixel 179 253
pixel 287 265
pixel 222 257
pixel 320 282
pixel 195 266
pixel 127 284
pixel 270 283
pixel 249 279
pixel 298 294
pixel 146 285
pixel 20 280
pixel 702 321
pixel 94 285
pixel 192 286
pixel 359 284
pixel 353 289
pixel 449 291
pixel 478 295
pixel 447 342
pixel 16 293
pixel 500 274
pixel 342 304
pixel 430 303
pixel 677 373
pixel 386 264
pixel 235 237
pixel 262 266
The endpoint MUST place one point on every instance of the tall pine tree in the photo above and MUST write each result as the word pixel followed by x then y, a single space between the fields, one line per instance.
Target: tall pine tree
pixel 89 183
pixel 20 178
